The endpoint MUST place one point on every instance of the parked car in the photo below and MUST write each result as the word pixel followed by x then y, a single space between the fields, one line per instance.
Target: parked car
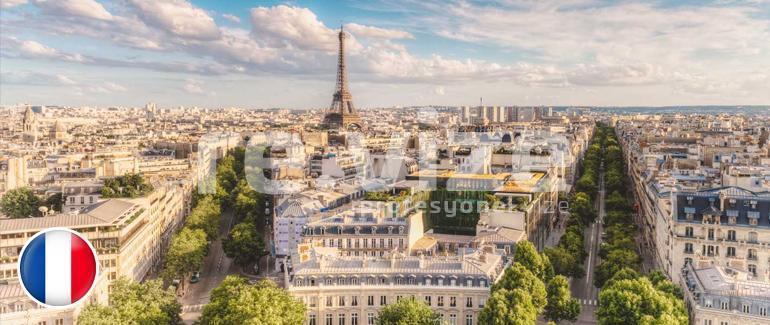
pixel 195 277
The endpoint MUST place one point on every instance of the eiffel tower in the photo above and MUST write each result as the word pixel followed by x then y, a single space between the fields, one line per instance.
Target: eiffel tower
pixel 342 114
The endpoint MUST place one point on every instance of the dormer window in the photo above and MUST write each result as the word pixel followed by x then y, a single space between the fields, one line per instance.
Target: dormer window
pixel 689 200
pixel 753 204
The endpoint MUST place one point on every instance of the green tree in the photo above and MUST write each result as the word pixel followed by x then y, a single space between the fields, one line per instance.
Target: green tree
pixel 247 202
pixel 205 216
pixel 227 177
pixel 134 303
pixel 517 276
pixel 587 184
pixel 526 254
pixel 573 242
pixel 54 202
pixel 564 262
pixel 636 301
pixel 408 311
pixel 509 307
pixel 615 261
pixel 234 301
pixel 186 253
pixel 582 205
pixel 126 186
pixel 561 305
pixel 617 202
pixel 243 244
pixel 662 283
pixel 19 203
pixel 624 274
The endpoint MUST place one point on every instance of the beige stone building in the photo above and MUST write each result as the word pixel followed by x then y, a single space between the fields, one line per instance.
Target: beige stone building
pixel 349 290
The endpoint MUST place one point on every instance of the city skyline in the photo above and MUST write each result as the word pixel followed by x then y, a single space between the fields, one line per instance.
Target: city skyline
pixel 204 53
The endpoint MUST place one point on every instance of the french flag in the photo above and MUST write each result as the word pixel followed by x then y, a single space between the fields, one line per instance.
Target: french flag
pixel 57 267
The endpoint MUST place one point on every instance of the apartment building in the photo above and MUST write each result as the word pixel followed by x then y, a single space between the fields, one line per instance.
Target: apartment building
pixel 128 235
pixel 723 296
pixel 341 289
pixel 727 227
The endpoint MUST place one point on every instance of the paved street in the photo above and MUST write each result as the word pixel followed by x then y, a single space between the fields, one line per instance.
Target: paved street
pixel 216 266
pixel 584 289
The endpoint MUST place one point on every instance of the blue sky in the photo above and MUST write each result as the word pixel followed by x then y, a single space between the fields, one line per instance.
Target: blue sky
pixel 282 54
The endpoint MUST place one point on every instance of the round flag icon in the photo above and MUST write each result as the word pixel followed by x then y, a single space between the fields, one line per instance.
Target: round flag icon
pixel 57 267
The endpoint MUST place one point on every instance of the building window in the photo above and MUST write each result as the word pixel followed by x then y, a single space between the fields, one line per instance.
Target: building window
pixel 354 319
pixel 452 301
pixel 341 319
pixel 427 300
pixel 752 254
pixel 370 301
pixel 482 302
pixel 354 301
pixel 725 305
pixel 452 319
pixel 731 235
pixel 688 248
pixel 383 300
pixel 688 232
pixel 753 269
pixel 730 251
pixel 711 234
pixel 469 302
pixel 329 320
pixel 370 319
pixel 746 309
pixel 708 303
pixel 329 301
pixel 762 311
pixel 342 301
pixel 706 322
pixel 753 237
pixel 440 301
pixel 311 320
pixel 469 319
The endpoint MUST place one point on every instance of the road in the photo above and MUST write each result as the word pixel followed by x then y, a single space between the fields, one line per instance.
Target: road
pixel 216 266
pixel 584 289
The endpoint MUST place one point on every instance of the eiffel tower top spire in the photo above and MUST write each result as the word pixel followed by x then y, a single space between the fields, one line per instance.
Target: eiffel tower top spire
pixel 342 113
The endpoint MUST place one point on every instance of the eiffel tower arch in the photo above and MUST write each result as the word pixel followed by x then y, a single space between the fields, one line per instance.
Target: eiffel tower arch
pixel 342 114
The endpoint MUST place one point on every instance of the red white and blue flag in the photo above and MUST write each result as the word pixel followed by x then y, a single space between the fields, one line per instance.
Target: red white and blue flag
pixel 57 267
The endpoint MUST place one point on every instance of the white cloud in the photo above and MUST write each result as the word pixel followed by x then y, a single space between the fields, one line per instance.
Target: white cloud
pixel 36 79
pixel 103 88
pixel 178 17
pixel 35 49
pixel 193 86
pixel 554 45
pixel 5 4
pixel 232 18
pixel 81 8
pixel 376 32
pixel 291 27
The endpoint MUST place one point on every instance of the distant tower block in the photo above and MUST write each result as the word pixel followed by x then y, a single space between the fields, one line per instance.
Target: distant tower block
pixel 342 114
